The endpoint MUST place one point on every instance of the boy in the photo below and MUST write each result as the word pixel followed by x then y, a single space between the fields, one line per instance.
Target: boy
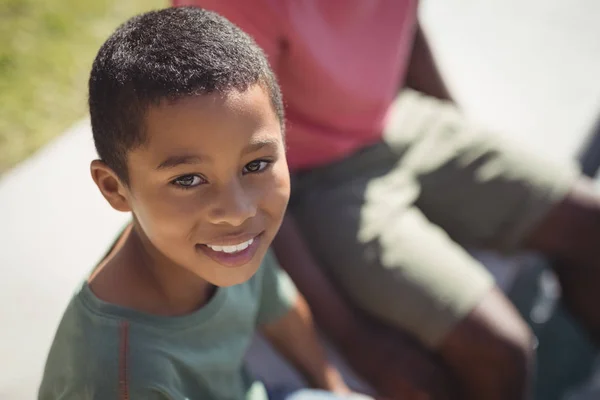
pixel 187 118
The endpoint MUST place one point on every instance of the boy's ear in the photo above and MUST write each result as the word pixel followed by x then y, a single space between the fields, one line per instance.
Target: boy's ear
pixel 110 186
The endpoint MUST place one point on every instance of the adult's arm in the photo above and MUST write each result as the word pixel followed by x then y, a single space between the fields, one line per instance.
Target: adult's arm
pixel 423 74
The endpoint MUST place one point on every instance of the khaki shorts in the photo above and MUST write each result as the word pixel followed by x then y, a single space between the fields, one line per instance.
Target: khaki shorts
pixel 386 222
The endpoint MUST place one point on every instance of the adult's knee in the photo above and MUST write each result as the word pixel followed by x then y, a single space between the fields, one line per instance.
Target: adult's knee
pixel 569 235
pixel 491 352
pixel 570 231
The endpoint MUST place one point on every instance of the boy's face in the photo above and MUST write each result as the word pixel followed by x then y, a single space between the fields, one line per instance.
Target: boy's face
pixel 210 186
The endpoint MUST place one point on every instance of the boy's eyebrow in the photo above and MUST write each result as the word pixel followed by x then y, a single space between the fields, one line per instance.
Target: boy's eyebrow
pixel 258 144
pixel 174 161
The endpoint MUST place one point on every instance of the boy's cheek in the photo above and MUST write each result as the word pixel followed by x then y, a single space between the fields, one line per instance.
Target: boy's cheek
pixel 282 179
pixel 279 196
pixel 165 219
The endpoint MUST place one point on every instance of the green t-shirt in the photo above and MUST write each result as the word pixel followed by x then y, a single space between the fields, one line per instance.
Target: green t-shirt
pixel 102 351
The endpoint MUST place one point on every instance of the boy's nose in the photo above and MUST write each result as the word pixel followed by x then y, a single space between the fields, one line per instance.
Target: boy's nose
pixel 233 206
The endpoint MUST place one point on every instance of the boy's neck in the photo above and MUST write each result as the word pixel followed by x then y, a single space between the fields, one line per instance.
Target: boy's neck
pixel 135 275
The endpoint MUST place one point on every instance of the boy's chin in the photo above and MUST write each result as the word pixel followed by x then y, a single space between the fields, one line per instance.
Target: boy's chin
pixel 225 277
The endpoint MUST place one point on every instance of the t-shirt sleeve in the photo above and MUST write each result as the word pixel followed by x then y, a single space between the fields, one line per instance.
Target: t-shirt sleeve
pixel 259 18
pixel 278 292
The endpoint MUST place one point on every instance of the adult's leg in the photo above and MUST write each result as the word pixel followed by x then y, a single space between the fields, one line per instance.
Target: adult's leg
pixel 492 194
pixel 486 192
pixel 570 236
pixel 491 332
pixel 359 220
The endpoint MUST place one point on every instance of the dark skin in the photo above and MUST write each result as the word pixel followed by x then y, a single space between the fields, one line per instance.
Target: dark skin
pixel 423 74
pixel 569 236
pixel 489 354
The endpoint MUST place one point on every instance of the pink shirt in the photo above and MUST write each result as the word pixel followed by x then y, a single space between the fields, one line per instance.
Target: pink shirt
pixel 340 63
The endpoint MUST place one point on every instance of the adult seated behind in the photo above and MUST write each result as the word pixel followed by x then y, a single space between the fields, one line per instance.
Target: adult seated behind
pixel 391 182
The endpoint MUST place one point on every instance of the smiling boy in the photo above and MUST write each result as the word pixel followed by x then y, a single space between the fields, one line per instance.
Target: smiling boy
pixel 187 118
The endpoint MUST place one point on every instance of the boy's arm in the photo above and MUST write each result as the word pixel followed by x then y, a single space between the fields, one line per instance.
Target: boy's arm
pixel 423 74
pixel 286 322
pixel 294 336
pixel 393 364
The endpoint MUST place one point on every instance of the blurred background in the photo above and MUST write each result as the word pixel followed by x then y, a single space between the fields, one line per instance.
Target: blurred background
pixel 527 68
pixel 46 50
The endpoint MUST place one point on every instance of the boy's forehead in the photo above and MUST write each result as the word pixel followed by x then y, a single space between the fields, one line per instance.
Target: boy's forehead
pixel 206 126
pixel 213 109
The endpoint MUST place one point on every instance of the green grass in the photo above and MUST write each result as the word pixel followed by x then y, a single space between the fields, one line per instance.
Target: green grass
pixel 46 51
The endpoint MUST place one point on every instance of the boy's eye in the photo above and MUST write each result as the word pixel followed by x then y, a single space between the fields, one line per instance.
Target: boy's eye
pixel 256 166
pixel 188 181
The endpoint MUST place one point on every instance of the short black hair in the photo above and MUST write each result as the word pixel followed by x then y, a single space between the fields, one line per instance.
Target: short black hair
pixel 167 55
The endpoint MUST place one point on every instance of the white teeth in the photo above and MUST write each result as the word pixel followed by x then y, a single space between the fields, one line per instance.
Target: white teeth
pixel 244 246
pixel 231 249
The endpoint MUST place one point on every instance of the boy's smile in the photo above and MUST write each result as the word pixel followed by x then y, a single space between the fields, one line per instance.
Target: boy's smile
pixel 208 188
pixel 234 253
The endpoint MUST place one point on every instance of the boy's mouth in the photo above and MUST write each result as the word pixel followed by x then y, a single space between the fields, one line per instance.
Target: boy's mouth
pixel 231 249
pixel 232 252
